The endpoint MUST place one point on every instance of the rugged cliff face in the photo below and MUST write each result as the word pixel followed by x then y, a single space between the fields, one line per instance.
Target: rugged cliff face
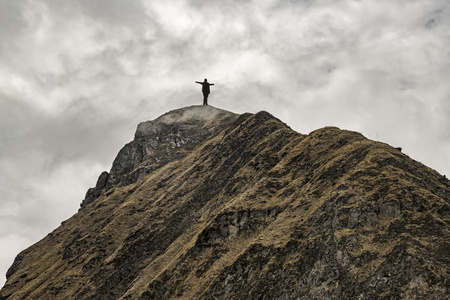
pixel 206 204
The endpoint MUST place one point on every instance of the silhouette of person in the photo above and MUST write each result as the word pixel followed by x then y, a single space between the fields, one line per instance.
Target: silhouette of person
pixel 205 90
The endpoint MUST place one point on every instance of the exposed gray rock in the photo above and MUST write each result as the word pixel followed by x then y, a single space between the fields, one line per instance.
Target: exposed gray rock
pixel 160 141
pixel 165 139
pixel 102 180
pixel 390 209
pixel 247 208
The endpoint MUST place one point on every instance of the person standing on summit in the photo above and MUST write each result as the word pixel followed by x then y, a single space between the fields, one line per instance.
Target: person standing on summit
pixel 205 90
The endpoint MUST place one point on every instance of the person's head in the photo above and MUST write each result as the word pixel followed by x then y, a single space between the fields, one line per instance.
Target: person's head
pixel 206 80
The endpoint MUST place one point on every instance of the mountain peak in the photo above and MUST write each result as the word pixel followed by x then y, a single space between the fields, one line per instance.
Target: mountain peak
pixel 207 204
pixel 206 113
pixel 202 115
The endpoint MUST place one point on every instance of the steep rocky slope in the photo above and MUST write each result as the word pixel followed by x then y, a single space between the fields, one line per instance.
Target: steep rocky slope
pixel 206 204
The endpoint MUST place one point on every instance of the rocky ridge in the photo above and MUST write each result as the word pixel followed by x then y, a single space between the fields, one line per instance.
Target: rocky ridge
pixel 158 142
pixel 207 204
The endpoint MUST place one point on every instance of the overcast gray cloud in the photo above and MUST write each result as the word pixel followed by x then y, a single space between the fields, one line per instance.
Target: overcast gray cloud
pixel 76 77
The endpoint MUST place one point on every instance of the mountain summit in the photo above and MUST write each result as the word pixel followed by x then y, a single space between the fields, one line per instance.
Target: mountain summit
pixel 208 204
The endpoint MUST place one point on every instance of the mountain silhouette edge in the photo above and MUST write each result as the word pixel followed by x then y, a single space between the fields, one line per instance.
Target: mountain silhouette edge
pixel 241 205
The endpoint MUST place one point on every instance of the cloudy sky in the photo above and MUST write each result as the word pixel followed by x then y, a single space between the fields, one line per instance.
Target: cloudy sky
pixel 76 77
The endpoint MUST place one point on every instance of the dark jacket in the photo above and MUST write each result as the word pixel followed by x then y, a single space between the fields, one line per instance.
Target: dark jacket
pixel 205 86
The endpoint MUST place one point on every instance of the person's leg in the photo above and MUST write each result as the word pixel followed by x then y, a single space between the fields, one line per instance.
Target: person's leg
pixel 205 99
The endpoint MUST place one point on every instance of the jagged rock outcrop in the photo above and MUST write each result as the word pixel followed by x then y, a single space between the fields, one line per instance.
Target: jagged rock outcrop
pixel 158 142
pixel 206 204
pixel 95 192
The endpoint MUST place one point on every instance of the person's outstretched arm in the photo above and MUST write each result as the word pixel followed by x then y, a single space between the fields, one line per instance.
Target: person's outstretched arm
pixel 199 82
pixel 211 84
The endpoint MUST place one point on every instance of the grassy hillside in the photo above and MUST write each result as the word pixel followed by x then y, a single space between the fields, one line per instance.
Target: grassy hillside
pixel 252 210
